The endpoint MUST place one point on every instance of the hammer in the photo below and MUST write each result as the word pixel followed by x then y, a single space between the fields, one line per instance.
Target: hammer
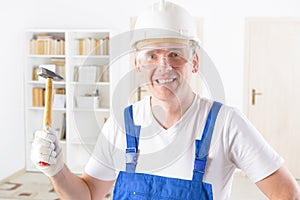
pixel 50 76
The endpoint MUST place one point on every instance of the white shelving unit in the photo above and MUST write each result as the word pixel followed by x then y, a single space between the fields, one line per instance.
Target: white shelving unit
pixel 84 119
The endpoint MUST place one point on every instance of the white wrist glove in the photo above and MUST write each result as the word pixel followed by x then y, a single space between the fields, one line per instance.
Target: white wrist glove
pixel 47 148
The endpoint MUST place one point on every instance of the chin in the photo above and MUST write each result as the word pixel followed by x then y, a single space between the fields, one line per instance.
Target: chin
pixel 163 95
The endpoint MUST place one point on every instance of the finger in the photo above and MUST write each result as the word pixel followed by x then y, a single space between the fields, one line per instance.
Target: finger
pixel 53 154
pixel 45 135
pixel 44 143
pixel 44 158
pixel 50 131
pixel 39 150
pixel 37 157
pixel 52 160
pixel 47 157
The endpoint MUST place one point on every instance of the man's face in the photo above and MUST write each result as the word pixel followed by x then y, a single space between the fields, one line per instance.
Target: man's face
pixel 167 68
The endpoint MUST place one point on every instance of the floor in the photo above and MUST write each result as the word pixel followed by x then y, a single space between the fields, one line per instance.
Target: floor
pixel 36 186
pixel 30 185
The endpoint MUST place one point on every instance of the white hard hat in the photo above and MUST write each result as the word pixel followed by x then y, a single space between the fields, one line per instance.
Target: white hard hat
pixel 164 21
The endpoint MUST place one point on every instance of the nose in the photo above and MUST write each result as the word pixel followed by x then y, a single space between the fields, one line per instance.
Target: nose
pixel 163 60
pixel 163 64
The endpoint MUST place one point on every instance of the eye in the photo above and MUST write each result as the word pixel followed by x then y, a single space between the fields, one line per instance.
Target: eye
pixel 151 56
pixel 173 54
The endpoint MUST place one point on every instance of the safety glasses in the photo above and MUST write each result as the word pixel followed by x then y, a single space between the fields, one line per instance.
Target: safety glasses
pixel 176 56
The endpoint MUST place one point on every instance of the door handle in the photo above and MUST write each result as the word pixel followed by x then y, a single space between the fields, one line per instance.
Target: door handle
pixel 254 93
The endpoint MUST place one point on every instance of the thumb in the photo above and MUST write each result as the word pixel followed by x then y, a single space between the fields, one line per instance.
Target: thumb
pixel 49 136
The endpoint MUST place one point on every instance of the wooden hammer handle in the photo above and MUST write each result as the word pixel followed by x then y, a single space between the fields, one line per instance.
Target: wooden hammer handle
pixel 48 110
pixel 48 104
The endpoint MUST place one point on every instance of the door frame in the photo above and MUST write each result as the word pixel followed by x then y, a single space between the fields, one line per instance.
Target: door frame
pixel 248 21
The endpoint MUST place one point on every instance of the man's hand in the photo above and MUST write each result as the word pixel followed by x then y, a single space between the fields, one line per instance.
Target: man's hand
pixel 46 148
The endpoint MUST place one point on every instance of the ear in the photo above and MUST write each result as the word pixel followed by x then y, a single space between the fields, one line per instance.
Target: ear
pixel 137 67
pixel 195 63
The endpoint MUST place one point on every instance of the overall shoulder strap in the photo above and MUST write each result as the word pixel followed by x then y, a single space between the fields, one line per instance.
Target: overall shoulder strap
pixel 202 146
pixel 132 139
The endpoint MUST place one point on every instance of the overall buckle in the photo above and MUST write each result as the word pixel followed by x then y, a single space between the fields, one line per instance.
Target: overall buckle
pixel 199 165
pixel 131 155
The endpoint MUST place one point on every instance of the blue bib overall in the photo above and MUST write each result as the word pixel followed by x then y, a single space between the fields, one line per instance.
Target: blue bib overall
pixel 140 186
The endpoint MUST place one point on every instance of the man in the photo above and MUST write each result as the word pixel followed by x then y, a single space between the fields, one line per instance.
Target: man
pixel 176 145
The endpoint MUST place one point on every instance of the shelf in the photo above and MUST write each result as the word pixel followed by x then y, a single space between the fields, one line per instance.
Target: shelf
pixel 62 141
pixel 42 109
pixel 98 58
pixel 43 83
pixel 91 56
pixel 90 110
pixel 46 56
pixel 92 83
pixel 69 119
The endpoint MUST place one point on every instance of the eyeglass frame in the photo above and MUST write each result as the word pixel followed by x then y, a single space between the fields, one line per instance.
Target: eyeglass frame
pixel 191 53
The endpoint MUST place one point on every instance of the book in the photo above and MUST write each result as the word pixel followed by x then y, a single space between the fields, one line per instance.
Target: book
pixel 59 125
pixel 91 50
pixel 101 47
pixel 40 47
pixel 88 46
pixel 43 36
pixel 32 46
pixel 45 44
pixel 60 91
pixel 58 61
pixel 59 66
pixel 75 73
pixel 97 47
pixel 59 98
pixel 80 46
pixel 59 46
pixel 35 76
pixel 38 97
pixel 44 41
pixel 105 74
pixel 87 73
pixel 63 128
pixel 59 101
pixel 106 46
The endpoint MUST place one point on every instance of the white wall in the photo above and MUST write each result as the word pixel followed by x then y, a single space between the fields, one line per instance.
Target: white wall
pixel 223 40
pixel 12 95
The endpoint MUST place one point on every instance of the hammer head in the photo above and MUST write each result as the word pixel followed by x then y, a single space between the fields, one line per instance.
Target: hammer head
pixel 43 72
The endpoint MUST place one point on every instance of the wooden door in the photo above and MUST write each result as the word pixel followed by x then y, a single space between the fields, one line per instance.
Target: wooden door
pixel 272 77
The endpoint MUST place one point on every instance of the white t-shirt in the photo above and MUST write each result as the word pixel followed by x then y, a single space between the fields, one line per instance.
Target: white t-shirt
pixel 171 153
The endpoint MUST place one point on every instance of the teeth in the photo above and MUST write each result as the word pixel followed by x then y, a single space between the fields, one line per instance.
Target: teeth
pixel 162 81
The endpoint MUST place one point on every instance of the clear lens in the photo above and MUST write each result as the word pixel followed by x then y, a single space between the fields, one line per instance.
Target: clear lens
pixel 152 57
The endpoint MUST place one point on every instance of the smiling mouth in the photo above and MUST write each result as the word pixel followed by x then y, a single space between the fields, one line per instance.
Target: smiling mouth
pixel 165 81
